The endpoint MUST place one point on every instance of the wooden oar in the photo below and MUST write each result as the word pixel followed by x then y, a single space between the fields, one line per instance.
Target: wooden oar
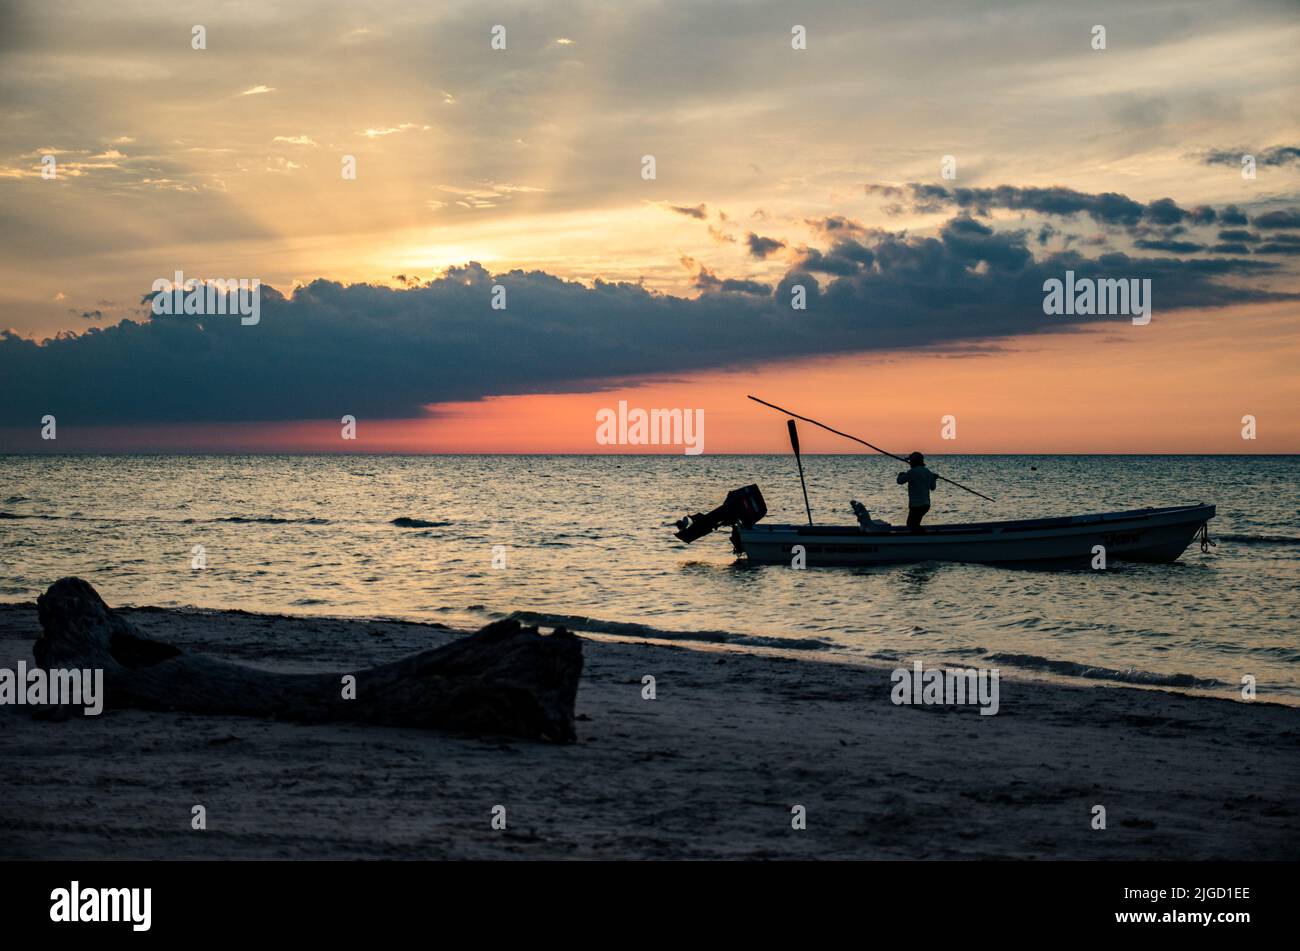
pixel 781 409
pixel 794 444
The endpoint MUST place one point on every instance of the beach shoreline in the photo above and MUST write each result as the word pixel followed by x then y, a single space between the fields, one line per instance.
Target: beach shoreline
pixel 709 769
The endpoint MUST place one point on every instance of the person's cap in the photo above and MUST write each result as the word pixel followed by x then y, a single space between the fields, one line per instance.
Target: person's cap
pixel 916 459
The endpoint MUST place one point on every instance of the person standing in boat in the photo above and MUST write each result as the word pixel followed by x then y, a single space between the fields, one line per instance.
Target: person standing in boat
pixel 919 481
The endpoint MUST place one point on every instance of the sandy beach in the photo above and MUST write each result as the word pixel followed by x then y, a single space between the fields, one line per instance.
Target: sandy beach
pixel 710 769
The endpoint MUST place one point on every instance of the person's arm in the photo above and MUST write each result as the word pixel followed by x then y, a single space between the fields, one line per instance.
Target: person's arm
pixel 902 478
pixel 934 481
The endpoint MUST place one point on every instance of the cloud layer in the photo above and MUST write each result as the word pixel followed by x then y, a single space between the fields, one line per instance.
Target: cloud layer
pixel 374 351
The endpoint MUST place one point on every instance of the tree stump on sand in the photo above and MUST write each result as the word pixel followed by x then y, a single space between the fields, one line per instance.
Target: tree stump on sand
pixel 504 679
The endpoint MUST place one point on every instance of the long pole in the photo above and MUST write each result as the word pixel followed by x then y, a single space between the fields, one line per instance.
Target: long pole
pixel 794 444
pixel 781 409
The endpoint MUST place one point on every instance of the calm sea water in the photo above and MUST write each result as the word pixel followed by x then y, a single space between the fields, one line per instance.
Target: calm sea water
pixel 587 541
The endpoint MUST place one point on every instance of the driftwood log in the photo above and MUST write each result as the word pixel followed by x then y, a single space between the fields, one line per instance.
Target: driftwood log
pixel 504 679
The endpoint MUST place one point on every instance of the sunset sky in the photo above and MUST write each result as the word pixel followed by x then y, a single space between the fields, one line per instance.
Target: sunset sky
pixel 523 168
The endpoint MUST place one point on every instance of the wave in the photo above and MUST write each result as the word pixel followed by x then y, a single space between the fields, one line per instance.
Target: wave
pixel 405 522
pixel 1071 669
pixel 271 520
pixel 234 519
pixel 630 629
pixel 1259 539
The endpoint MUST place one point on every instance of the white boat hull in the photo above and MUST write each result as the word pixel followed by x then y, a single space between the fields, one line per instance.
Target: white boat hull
pixel 1158 535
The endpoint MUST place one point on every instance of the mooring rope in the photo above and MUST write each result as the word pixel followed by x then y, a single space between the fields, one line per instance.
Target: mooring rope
pixel 1206 540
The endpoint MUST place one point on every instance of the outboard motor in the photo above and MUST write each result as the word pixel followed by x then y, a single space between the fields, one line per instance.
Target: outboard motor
pixel 744 506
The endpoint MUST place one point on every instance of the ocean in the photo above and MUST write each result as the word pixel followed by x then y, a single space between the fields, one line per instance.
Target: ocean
pixel 587 541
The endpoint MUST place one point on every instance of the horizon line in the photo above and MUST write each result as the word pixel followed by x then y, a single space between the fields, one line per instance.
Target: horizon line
pixel 600 455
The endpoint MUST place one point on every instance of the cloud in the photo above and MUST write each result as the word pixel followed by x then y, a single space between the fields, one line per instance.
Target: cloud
pixel 1276 155
pixel 705 280
pixel 1175 247
pixel 699 211
pixel 378 351
pixel 257 90
pixel 831 225
pixel 1163 211
pixel 1282 218
pixel 279 164
pixel 972 242
pixel 1158 225
pixel 294 140
pixel 1107 208
pixel 761 247
pixel 484 194
pixel 394 129
pixel 1280 244
pixel 1232 215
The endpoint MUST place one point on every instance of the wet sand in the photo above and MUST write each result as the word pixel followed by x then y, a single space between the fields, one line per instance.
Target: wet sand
pixel 709 769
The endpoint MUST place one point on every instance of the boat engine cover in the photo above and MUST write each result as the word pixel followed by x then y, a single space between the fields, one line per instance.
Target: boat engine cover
pixel 743 506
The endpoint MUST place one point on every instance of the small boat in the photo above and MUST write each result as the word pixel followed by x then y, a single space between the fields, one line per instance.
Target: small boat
pixel 1150 534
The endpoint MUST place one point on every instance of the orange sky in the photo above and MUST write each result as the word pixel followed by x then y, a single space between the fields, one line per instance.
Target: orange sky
pixel 1170 386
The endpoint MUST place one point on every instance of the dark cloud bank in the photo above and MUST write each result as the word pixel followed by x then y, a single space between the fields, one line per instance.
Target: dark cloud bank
pixel 373 351
pixel 1109 209
pixel 1276 155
